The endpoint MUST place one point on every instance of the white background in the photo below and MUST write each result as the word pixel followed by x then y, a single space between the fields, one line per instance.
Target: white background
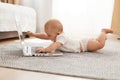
pixel 84 17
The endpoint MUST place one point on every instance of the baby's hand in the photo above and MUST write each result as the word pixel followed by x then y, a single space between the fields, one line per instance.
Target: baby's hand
pixel 40 50
pixel 30 33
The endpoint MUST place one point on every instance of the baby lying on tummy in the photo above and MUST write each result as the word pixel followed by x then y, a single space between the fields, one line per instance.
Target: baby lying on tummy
pixel 54 32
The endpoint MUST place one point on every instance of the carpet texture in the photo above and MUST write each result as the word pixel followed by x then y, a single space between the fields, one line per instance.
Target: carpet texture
pixel 103 64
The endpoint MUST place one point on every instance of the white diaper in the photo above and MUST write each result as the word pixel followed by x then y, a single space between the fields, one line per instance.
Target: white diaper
pixel 84 43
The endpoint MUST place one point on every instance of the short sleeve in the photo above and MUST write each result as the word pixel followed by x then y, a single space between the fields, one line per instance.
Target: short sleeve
pixel 61 38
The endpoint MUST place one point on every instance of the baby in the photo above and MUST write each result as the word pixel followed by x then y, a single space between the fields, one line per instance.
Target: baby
pixel 54 32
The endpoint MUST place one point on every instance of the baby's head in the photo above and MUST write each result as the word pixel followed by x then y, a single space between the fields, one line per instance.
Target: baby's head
pixel 53 27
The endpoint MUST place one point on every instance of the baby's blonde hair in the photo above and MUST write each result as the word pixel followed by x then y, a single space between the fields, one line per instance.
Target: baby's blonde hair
pixel 54 24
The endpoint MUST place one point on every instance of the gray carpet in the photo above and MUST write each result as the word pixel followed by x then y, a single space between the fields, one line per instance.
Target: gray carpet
pixel 103 64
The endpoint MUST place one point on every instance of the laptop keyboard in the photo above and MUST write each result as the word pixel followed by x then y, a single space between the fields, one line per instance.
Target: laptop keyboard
pixel 58 53
pixel 40 54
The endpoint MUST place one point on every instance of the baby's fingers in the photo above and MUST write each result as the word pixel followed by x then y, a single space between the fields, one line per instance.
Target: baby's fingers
pixel 39 50
pixel 29 33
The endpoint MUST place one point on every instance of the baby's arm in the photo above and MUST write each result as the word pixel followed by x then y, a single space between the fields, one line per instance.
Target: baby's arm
pixel 38 35
pixel 50 48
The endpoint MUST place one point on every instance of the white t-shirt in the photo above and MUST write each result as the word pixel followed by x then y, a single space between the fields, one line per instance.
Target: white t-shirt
pixel 69 45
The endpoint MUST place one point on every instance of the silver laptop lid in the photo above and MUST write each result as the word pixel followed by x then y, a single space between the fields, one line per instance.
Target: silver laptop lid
pixel 19 29
pixel 20 34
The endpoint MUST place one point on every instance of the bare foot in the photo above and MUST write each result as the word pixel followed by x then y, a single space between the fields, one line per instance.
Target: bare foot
pixel 107 30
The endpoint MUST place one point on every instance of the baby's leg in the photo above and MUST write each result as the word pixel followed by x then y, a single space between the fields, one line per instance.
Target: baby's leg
pixel 96 44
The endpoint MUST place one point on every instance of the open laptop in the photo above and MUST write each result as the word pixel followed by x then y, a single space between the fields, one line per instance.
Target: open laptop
pixel 30 50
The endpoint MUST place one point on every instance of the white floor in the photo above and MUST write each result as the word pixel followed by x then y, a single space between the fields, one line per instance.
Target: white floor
pixel 12 74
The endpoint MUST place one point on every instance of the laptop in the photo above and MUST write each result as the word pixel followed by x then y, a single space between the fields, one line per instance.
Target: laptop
pixel 29 50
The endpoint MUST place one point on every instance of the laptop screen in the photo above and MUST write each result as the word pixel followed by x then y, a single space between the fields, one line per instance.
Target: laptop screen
pixel 19 29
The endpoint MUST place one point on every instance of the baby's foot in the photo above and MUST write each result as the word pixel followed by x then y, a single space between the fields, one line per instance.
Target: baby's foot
pixel 107 30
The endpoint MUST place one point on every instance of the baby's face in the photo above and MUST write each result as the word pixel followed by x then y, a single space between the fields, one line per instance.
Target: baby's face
pixel 51 33
pixel 53 28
